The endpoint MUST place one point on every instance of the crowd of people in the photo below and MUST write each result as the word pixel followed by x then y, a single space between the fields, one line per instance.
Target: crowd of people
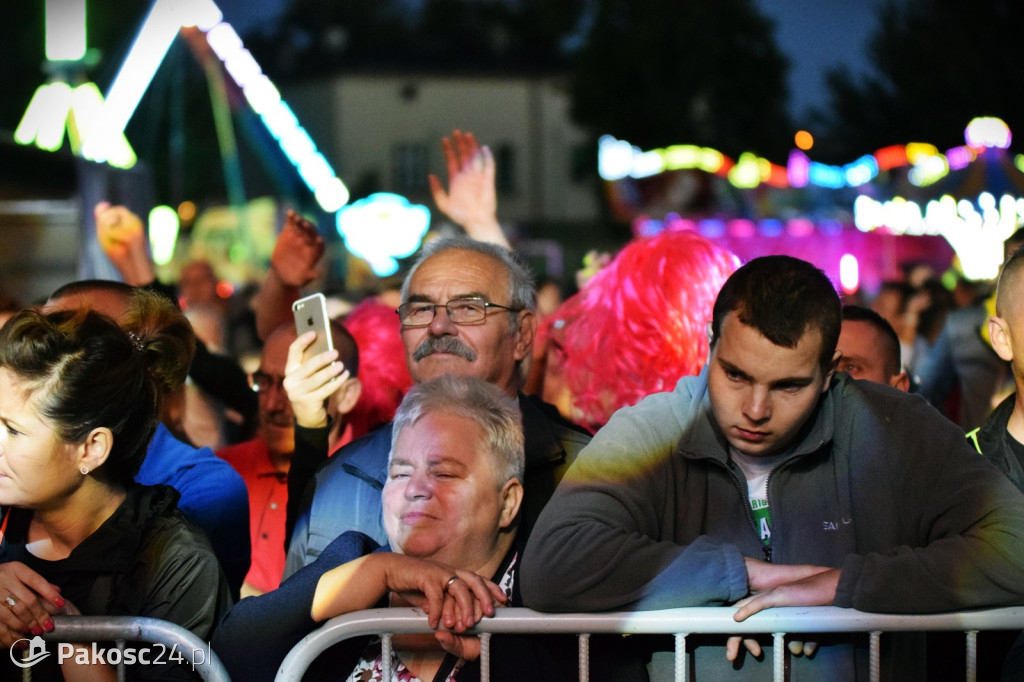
pixel 684 430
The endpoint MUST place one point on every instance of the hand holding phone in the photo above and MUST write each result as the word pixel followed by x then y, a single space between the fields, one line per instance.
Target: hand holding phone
pixel 311 315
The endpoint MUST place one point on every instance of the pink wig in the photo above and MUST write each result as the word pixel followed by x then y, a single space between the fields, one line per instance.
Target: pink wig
pixel 636 327
pixel 382 368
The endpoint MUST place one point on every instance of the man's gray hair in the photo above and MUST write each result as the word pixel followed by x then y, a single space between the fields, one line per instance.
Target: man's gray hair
pixel 521 288
pixel 478 401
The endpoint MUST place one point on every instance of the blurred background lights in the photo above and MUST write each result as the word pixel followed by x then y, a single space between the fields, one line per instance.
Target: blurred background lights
pixel 849 273
pixel 988 131
pixel 381 228
pixel 163 233
pixel 803 140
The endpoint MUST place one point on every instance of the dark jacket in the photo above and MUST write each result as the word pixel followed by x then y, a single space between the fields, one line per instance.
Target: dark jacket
pixel 145 560
pixel 991 439
pixel 654 514
pixel 347 490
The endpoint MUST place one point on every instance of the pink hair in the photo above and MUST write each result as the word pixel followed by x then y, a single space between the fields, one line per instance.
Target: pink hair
pixel 382 369
pixel 639 324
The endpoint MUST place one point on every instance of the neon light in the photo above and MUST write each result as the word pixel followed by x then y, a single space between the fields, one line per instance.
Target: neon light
pixel 65 30
pixel 43 122
pixel 618 159
pixel 158 31
pixel 849 273
pixel 976 236
pixel 265 100
pixel 381 228
pixel 163 233
pixel 988 131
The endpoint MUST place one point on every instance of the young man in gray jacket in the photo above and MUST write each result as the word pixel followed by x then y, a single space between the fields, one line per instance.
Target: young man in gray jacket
pixel 768 480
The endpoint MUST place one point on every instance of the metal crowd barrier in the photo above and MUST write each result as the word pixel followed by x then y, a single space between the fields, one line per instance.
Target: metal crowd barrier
pixel 680 622
pixel 174 645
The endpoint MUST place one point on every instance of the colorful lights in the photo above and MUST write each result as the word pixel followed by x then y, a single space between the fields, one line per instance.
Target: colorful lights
pixel 976 235
pixel 98 133
pixel 618 159
pixel 381 228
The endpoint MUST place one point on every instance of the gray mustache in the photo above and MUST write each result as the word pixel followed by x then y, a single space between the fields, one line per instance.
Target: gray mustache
pixel 443 344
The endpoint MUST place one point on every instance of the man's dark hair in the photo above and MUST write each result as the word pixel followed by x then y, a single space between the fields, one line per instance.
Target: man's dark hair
pixel 86 286
pixel 781 297
pixel 857 313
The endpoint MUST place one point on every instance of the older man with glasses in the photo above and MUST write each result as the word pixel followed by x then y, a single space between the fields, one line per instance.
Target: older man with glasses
pixel 467 309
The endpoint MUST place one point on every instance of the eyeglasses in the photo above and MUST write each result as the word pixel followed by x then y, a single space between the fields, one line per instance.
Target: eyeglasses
pixel 261 382
pixel 472 310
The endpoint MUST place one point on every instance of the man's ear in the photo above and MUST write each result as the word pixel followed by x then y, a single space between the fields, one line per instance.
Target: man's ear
pixel 511 498
pixel 95 449
pixel 348 395
pixel 525 334
pixel 900 381
pixel 999 332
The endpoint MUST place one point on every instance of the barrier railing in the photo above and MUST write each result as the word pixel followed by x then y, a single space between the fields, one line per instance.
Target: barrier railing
pixel 681 622
pixel 175 645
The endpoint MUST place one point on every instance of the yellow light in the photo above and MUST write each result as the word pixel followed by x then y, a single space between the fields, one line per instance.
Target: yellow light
pixel 803 140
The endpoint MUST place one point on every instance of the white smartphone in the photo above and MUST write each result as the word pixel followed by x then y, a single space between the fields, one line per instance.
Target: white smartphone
pixel 311 314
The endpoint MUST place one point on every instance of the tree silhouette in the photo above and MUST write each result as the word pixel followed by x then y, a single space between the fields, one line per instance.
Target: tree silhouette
pixel 939 63
pixel 663 72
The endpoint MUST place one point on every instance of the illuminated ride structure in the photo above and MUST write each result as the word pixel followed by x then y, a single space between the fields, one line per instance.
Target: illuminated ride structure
pixel 962 202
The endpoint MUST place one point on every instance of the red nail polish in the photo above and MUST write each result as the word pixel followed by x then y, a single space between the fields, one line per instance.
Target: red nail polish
pixel 59 601
pixel 36 630
pixel 48 625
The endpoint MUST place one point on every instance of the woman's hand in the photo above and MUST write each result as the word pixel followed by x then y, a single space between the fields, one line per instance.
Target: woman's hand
pixel 27 602
pixel 310 382
pixel 452 597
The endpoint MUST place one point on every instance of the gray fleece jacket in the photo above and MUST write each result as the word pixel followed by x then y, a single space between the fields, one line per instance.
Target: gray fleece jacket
pixel 653 514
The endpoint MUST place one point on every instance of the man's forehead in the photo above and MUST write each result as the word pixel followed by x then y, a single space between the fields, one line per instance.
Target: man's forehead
pixel 461 272
pixel 747 349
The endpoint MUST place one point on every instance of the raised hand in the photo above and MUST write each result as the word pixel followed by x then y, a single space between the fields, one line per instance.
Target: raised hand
pixel 122 236
pixel 297 251
pixel 471 199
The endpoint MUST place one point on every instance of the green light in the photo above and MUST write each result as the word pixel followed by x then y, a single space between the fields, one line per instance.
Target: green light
pixel 163 233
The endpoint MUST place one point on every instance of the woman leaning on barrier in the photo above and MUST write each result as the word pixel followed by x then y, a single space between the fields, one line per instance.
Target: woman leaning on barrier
pixel 80 397
pixel 450 506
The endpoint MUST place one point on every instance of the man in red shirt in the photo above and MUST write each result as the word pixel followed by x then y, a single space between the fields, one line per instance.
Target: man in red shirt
pixel 264 461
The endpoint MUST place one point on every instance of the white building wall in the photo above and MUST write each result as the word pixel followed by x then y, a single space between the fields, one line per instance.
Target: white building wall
pixel 359 120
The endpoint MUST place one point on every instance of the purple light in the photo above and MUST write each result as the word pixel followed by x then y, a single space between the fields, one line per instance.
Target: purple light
pixel 797 168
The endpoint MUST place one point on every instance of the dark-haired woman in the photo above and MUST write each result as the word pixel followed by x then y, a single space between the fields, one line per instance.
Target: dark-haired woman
pixel 80 397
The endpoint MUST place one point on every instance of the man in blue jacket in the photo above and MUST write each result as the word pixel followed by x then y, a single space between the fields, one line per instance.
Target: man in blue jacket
pixel 769 480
